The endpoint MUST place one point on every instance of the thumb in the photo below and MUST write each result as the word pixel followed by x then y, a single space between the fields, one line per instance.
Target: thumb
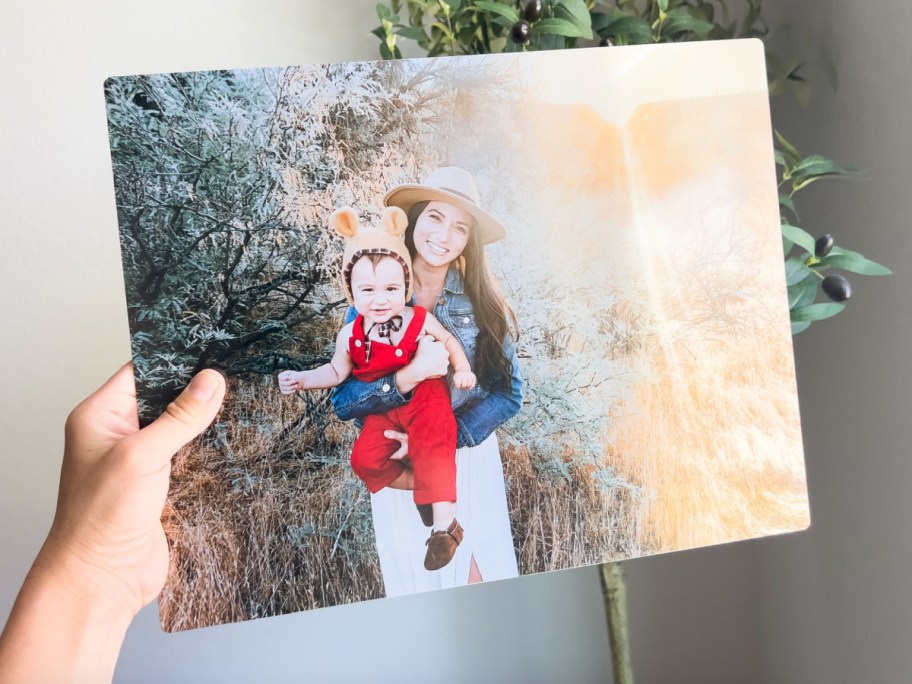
pixel 186 417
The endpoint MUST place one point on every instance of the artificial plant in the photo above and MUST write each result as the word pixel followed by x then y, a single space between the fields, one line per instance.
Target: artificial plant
pixel 466 27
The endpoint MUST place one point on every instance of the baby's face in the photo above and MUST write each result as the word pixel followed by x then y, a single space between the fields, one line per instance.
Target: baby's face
pixel 378 291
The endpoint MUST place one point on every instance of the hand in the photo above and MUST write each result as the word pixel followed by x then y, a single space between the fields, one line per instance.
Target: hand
pixel 431 360
pixel 402 438
pixel 464 379
pixel 113 484
pixel 290 382
pixel 106 555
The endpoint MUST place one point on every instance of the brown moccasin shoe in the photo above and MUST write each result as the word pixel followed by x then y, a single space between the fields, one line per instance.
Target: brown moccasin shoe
pixel 426 513
pixel 442 546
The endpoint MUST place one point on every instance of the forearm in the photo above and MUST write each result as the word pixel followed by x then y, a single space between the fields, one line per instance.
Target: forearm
pixel 64 627
pixel 321 377
pixel 458 359
pixel 406 381
pixel 476 422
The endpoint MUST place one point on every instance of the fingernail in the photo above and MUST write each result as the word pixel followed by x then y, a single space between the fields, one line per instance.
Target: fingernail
pixel 204 385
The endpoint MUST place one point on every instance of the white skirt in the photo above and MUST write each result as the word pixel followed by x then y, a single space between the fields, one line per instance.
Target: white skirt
pixel 481 508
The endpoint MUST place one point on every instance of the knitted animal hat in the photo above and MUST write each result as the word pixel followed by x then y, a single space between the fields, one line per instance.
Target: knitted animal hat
pixel 387 238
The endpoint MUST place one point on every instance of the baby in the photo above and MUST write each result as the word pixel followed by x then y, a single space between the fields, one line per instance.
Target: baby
pixel 382 339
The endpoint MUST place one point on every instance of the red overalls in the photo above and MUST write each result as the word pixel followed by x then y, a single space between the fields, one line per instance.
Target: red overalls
pixel 427 419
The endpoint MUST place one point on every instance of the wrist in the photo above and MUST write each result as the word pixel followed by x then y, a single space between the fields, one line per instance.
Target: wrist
pixel 86 586
pixel 63 626
pixel 405 380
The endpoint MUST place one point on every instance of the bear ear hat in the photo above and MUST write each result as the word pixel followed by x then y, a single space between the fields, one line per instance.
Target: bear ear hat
pixel 394 221
pixel 344 221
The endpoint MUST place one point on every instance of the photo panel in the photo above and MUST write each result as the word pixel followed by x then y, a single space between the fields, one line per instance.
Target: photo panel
pixel 607 253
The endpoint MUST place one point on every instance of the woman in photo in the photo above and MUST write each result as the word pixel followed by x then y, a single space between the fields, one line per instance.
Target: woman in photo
pixel 446 234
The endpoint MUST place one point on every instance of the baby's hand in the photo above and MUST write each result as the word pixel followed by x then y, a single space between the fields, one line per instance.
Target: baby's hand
pixel 289 382
pixel 464 379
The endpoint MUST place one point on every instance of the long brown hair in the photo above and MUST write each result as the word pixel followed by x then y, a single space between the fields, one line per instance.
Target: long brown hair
pixel 492 314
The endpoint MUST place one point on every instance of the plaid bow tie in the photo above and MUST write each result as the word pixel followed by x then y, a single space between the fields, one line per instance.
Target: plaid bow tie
pixel 392 325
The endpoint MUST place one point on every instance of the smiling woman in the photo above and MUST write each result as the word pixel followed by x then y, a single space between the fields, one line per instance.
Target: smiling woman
pixel 446 233
pixel 441 230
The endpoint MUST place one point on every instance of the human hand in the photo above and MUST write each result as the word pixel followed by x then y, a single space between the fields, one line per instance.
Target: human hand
pixel 107 531
pixel 464 379
pixel 431 359
pixel 290 382
pixel 106 555
pixel 402 438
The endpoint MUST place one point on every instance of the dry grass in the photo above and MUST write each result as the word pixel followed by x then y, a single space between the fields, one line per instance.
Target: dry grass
pixel 566 522
pixel 265 519
pixel 715 440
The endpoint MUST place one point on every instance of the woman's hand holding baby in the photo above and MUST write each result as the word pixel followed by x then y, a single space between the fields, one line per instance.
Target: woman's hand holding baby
pixel 431 360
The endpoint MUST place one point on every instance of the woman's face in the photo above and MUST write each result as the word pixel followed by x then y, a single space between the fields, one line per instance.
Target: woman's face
pixel 441 233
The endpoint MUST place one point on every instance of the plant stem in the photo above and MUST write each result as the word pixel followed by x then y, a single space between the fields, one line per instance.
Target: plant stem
pixel 614 595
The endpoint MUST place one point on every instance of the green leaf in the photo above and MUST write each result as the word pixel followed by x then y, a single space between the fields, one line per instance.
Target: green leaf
pixel 507 12
pixel 380 33
pixel 679 20
pixel 787 148
pixel 786 201
pixel 853 262
pixel 577 13
pixel 550 41
pixel 600 20
pixel 815 165
pixel 816 312
pixel 786 246
pixel 663 5
pixel 636 29
pixel 796 270
pixel 803 292
pixel 800 326
pixel 799 237
pixel 384 12
pixel 443 28
pixel 386 53
pixel 558 27
pixel 410 32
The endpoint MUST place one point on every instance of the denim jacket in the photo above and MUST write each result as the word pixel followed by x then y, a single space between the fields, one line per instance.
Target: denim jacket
pixel 478 412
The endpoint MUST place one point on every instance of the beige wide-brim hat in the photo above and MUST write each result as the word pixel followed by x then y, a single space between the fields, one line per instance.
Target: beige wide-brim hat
pixel 452 185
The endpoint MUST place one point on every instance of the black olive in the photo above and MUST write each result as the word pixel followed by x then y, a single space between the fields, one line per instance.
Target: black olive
pixel 836 288
pixel 823 246
pixel 533 10
pixel 520 32
pixel 606 42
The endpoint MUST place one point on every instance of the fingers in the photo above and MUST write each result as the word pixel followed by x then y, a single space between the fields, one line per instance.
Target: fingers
pixel 116 397
pixel 185 418
pixel 288 382
pixel 121 381
pixel 392 434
